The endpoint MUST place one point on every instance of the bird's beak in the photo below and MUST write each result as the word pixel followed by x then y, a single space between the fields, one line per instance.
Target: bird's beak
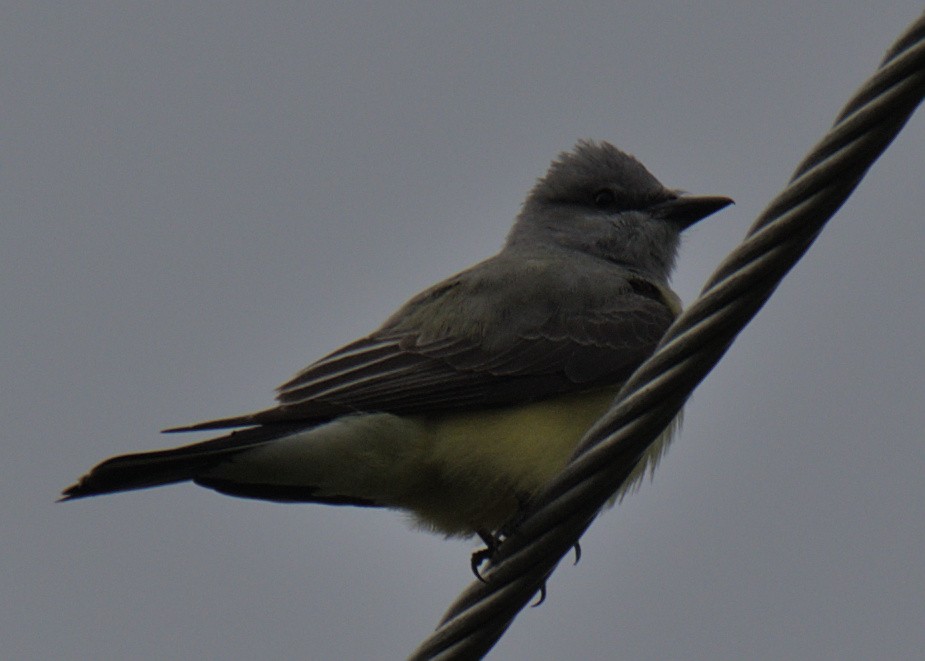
pixel 685 211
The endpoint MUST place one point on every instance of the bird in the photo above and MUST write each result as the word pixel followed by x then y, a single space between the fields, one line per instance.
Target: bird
pixel 474 394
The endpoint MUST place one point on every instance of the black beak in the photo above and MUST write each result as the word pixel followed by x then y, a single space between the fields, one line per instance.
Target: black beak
pixel 685 211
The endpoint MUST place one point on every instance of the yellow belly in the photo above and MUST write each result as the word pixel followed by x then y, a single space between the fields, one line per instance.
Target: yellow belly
pixel 455 473
pixel 478 467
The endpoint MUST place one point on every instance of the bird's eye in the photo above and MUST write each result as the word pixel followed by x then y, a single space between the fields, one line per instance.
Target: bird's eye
pixel 604 197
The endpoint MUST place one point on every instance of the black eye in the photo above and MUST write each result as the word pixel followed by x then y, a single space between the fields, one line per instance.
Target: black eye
pixel 604 197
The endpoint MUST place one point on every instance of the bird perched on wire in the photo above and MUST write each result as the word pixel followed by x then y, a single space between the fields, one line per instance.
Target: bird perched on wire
pixel 475 393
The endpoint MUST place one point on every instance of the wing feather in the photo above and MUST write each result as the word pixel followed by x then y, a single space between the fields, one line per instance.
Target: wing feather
pixel 573 341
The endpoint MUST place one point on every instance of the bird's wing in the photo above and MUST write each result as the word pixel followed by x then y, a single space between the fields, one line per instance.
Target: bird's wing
pixel 408 367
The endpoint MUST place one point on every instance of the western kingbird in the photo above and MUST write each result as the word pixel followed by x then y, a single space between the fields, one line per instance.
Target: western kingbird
pixel 475 393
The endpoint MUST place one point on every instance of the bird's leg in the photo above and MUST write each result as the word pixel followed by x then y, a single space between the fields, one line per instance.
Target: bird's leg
pixel 492 542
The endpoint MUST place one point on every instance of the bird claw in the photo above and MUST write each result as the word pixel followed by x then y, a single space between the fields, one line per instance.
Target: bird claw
pixel 478 557
pixel 492 542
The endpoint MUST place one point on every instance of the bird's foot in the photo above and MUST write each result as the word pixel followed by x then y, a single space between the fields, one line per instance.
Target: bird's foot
pixel 481 556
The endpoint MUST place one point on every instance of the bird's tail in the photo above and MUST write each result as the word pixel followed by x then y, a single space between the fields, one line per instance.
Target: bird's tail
pixel 151 469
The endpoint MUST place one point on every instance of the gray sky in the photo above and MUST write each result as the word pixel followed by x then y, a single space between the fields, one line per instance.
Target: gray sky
pixel 198 200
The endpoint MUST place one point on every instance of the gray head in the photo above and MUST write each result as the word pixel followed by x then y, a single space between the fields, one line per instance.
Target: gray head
pixel 602 202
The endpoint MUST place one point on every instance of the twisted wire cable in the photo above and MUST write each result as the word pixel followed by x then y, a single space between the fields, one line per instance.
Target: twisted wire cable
pixel 650 399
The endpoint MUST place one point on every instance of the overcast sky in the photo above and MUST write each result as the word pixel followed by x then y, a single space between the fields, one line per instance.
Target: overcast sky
pixel 198 199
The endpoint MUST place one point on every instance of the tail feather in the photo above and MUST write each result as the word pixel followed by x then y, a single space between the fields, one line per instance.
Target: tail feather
pixel 150 469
